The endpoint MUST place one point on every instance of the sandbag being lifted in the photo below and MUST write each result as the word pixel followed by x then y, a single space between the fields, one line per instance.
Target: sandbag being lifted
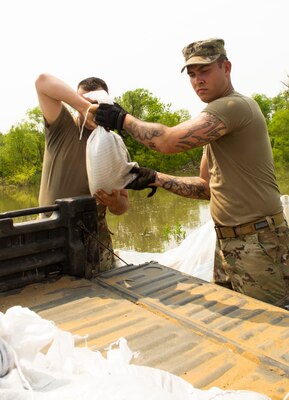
pixel 107 159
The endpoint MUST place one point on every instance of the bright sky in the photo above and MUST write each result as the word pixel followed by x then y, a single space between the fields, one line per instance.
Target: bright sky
pixel 137 44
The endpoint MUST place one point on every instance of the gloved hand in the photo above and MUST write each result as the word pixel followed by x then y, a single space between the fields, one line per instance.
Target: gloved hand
pixel 110 116
pixel 145 177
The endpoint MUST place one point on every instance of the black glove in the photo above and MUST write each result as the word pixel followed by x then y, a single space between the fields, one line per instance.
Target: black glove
pixel 110 116
pixel 142 181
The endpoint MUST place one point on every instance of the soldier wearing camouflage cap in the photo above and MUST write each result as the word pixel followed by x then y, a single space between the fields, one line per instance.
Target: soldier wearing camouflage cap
pixel 236 174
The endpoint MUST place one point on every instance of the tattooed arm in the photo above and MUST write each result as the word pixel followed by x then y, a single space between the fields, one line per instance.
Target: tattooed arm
pixel 196 132
pixel 194 187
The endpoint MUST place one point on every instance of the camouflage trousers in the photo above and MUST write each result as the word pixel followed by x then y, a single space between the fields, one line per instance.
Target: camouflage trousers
pixel 98 245
pixel 256 265
pixel 106 257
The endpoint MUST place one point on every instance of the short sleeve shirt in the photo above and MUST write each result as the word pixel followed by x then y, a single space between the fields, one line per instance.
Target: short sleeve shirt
pixel 64 165
pixel 242 177
pixel 64 174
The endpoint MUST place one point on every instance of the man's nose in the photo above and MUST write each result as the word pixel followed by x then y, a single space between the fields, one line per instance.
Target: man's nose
pixel 200 80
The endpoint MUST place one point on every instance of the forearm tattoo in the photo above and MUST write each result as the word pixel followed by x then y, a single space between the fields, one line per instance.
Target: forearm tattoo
pixel 145 133
pixel 192 187
pixel 202 131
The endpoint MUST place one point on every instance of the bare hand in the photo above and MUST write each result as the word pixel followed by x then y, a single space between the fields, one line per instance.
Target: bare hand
pixel 117 201
pixel 109 200
pixel 90 114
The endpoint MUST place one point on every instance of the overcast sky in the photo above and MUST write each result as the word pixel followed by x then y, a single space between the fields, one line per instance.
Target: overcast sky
pixel 136 44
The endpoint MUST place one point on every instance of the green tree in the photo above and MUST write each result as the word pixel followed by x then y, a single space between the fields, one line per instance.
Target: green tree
pixel 266 105
pixel 279 133
pixel 276 112
pixel 3 166
pixel 22 149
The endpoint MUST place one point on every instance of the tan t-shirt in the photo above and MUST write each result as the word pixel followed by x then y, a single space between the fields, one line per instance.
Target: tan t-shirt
pixel 64 165
pixel 242 177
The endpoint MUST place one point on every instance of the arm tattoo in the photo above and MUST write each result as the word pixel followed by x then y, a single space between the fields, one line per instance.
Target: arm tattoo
pixel 192 187
pixel 204 130
pixel 143 133
pixel 209 129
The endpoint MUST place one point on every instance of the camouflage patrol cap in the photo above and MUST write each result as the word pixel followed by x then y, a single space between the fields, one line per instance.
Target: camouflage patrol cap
pixel 203 52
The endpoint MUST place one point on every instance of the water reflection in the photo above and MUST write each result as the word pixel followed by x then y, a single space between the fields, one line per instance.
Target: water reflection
pixel 144 226
pixel 16 198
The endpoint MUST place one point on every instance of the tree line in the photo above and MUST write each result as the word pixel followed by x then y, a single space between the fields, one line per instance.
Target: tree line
pixel 22 147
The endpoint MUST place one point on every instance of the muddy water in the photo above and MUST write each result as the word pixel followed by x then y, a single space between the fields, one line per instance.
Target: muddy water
pixel 151 224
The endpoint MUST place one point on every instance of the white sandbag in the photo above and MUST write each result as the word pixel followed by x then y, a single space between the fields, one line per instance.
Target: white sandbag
pixel 14 394
pixel 6 358
pixel 69 373
pixel 25 331
pixel 107 159
pixel 285 203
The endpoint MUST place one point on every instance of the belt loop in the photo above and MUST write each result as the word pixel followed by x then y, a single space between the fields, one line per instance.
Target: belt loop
pixel 218 233
pixel 218 237
pixel 271 223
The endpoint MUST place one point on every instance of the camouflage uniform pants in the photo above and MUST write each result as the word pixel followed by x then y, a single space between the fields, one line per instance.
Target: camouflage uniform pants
pixel 98 245
pixel 256 265
pixel 106 257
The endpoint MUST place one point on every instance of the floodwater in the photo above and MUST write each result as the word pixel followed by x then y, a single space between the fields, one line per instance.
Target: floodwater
pixel 153 224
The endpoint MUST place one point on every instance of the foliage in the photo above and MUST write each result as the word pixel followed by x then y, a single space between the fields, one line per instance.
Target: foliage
pixel 265 104
pixel 178 233
pixel 279 134
pixel 22 149
pixel 276 113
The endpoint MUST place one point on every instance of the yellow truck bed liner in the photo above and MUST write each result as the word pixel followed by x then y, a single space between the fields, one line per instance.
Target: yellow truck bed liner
pixel 208 335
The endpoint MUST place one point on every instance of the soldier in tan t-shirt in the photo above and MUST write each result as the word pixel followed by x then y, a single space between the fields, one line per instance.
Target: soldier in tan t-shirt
pixel 236 175
pixel 64 164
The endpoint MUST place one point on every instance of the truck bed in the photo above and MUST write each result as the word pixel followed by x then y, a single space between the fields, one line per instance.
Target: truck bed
pixel 208 335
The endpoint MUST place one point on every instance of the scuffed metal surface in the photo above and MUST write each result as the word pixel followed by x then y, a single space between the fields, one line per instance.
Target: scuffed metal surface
pixel 206 334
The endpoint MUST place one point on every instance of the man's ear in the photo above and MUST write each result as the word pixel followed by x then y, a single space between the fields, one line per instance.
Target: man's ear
pixel 227 66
